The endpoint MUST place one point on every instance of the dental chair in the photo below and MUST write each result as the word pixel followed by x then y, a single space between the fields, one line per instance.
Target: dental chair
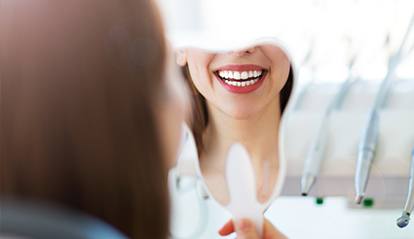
pixel 34 221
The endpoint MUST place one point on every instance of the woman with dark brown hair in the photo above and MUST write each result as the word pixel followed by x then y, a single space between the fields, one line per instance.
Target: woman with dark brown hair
pixel 84 102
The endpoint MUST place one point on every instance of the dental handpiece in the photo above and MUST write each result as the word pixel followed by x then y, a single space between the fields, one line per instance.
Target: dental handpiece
pixel 409 204
pixel 368 144
pixel 315 155
pixel 366 154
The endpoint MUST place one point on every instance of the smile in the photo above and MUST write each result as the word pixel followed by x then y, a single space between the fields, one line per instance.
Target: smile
pixel 241 78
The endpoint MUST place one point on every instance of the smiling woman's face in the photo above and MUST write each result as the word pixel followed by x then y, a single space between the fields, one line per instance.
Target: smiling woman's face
pixel 239 83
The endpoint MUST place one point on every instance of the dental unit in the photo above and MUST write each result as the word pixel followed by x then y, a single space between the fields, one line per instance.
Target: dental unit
pixel 368 145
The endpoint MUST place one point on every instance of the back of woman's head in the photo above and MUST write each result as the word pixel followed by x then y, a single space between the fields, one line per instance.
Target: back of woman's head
pixel 79 82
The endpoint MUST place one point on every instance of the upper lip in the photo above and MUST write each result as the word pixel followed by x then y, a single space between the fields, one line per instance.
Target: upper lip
pixel 240 67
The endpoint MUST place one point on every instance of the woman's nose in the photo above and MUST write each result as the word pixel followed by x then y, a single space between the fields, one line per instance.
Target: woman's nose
pixel 243 52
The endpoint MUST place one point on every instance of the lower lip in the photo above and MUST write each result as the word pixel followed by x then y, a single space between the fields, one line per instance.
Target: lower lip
pixel 242 90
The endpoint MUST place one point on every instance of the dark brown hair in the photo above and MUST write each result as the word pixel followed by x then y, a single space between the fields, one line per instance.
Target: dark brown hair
pixel 78 85
pixel 199 118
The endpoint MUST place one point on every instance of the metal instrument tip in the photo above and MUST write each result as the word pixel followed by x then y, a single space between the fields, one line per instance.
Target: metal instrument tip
pixel 307 183
pixel 403 220
pixel 358 199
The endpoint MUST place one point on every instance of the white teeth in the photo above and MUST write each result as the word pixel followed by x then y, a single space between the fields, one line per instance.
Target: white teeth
pixel 241 83
pixel 244 75
pixel 230 74
pixel 226 74
pixel 237 75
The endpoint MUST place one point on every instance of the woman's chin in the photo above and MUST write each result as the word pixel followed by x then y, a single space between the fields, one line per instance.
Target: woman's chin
pixel 240 113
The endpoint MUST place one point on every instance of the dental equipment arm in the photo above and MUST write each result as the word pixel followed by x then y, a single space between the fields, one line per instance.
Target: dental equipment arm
pixel 368 144
pixel 366 153
pixel 409 204
pixel 316 152
pixel 314 157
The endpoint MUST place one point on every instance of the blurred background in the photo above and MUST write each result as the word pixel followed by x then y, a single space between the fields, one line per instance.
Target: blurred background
pixel 321 37
pixel 333 29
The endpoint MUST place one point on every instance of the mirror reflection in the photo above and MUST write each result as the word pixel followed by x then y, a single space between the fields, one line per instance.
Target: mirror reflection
pixel 238 96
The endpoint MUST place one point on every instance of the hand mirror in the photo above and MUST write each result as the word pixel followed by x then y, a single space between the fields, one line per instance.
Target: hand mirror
pixel 238 100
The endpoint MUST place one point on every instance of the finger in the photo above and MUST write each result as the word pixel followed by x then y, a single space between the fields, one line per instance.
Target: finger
pixel 245 229
pixel 227 229
pixel 270 232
